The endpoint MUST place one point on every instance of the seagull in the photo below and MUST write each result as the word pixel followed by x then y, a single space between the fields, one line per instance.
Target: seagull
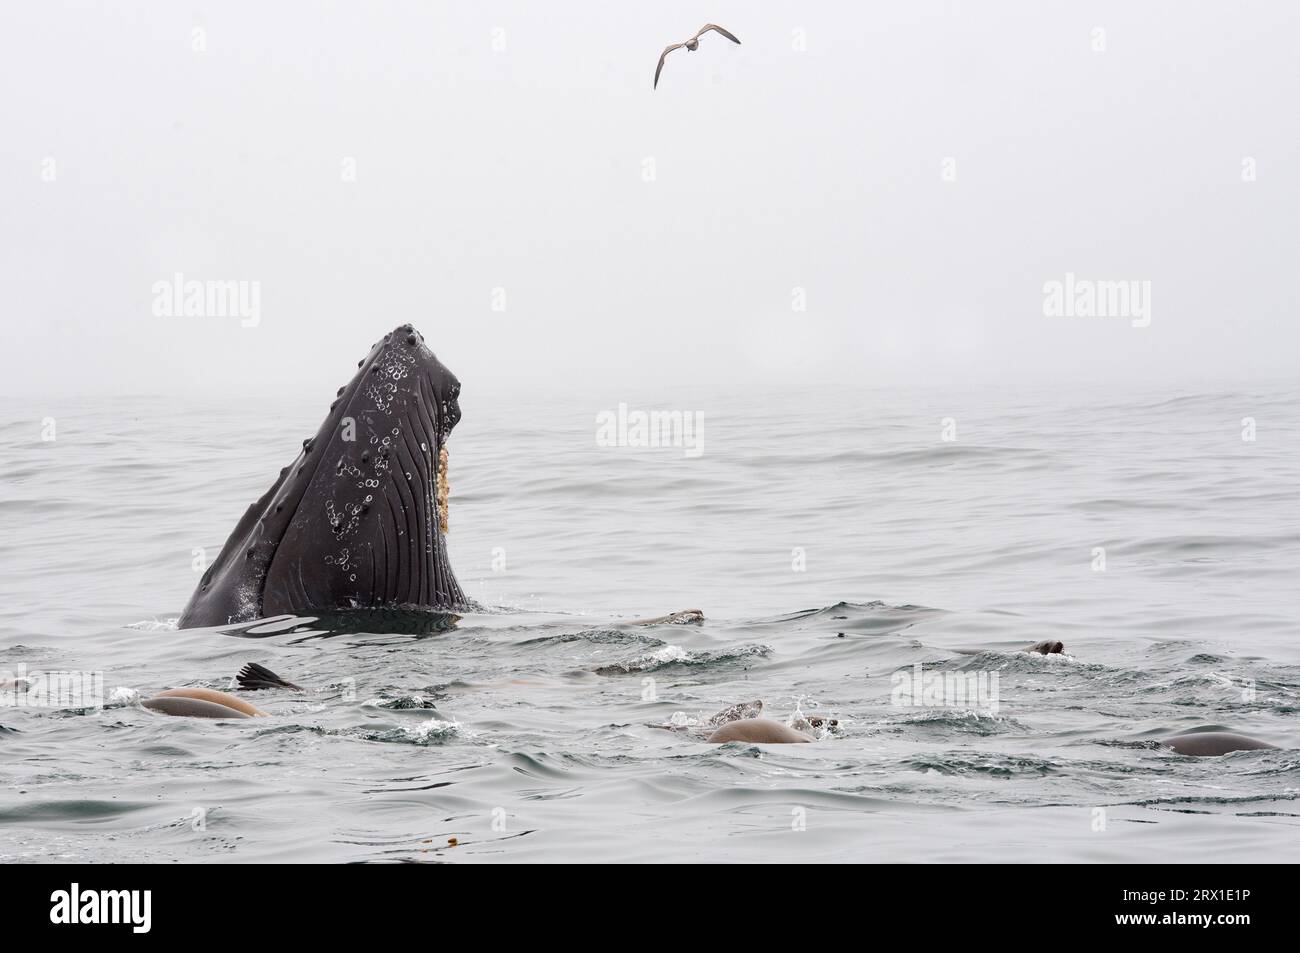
pixel 692 44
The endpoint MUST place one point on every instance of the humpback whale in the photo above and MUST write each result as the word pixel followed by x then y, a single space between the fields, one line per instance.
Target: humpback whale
pixel 357 520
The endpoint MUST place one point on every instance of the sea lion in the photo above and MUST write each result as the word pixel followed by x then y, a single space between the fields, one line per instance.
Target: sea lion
pixel 1047 647
pixel 684 617
pixel 742 722
pixel 815 722
pixel 1204 744
pixel 763 731
pixel 186 707
pixel 357 520
pixel 214 696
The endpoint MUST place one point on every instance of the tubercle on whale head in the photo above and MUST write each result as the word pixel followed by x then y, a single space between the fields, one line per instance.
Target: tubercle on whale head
pixel 358 519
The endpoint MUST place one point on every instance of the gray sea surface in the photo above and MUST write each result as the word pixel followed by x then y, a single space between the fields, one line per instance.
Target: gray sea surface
pixel 839 546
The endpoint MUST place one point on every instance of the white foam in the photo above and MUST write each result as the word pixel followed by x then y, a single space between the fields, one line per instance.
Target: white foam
pixel 156 625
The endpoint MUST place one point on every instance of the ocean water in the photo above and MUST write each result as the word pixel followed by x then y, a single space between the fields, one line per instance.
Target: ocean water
pixel 834 539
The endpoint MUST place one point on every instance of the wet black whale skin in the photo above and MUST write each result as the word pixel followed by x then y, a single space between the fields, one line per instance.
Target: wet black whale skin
pixel 350 523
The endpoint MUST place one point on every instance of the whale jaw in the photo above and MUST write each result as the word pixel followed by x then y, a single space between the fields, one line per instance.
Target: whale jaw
pixel 358 519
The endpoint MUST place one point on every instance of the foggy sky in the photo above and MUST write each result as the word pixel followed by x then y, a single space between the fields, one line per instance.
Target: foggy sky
pixel 524 169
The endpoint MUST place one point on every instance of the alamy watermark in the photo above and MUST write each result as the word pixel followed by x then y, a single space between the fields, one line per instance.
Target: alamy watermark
pixel 652 428
pixel 181 298
pixel 128 907
pixel 18 689
pixel 1086 298
pixel 917 688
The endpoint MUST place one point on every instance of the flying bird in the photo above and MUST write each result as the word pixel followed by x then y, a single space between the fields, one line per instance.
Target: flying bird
pixel 692 44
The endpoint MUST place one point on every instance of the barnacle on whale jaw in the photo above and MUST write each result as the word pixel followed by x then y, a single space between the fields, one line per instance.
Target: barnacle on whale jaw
pixel 442 491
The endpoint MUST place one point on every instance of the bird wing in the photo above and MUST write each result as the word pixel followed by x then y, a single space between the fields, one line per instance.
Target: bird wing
pixel 713 26
pixel 662 56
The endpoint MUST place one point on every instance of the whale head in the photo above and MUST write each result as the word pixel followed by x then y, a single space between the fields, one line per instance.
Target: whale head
pixel 358 519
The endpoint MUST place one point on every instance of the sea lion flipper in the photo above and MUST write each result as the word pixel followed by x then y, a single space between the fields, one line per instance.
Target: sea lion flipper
pixel 253 677
pixel 737 712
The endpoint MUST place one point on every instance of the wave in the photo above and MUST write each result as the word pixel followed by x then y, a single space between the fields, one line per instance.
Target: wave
pixel 992 764
pixel 669 656
pixel 434 731
pixel 959 720
pixel 591 637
